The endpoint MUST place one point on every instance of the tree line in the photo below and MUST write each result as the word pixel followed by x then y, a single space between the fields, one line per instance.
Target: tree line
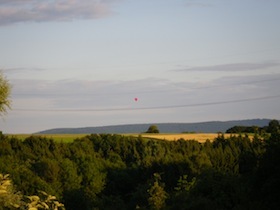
pixel 109 171
pixel 273 124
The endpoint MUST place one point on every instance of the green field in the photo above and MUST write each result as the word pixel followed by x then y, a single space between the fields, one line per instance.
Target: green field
pixel 67 138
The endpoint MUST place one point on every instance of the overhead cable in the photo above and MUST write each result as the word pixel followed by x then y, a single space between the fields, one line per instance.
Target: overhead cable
pixel 151 107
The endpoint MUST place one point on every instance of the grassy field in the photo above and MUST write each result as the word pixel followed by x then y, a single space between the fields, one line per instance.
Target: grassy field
pixel 66 138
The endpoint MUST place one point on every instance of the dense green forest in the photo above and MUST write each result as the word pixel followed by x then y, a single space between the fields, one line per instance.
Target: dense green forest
pixel 120 172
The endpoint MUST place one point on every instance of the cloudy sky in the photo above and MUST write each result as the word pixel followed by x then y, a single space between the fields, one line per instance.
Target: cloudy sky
pixel 77 63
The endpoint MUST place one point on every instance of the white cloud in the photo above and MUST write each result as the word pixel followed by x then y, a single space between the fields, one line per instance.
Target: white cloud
pixel 57 10
pixel 231 67
pixel 9 71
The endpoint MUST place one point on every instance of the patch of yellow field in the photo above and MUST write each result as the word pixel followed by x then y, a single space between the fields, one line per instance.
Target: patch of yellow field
pixel 200 137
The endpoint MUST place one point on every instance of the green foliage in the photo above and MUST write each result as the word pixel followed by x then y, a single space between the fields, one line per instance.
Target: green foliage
pixel 69 177
pixel 9 199
pixel 5 91
pixel 273 127
pixel 105 171
pixel 157 194
pixel 243 129
pixel 184 185
pixel 267 182
pixel 153 129
pixel 43 201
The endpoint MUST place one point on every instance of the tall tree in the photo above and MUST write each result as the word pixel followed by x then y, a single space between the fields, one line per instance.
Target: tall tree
pixel 5 91
pixel 273 126
pixel 157 194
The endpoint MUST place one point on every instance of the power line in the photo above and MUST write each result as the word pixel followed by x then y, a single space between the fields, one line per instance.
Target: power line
pixel 147 91
pixel 235 84
pixel 152 107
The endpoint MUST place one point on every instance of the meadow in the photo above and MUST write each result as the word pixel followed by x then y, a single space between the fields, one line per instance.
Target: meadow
pixel 68 138
pixel 65 138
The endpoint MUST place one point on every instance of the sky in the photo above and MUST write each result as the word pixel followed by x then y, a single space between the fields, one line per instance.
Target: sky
pixel 82 63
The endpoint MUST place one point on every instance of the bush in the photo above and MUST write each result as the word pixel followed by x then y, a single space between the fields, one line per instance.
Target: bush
pixel 153 129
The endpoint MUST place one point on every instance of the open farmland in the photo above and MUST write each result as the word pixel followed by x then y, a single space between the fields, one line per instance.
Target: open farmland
pixel 200 137
pixel 67 138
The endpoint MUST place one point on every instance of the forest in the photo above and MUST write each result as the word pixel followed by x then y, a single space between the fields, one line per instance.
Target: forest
pixel 107 171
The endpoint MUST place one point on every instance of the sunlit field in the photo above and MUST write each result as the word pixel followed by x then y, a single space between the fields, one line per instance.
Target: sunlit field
pixel 200 137
pixel 67 138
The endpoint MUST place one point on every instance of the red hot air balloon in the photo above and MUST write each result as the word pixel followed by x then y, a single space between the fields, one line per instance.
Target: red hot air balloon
pixel 135 99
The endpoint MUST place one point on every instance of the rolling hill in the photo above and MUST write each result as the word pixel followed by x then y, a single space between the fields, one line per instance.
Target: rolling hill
pixel 202 127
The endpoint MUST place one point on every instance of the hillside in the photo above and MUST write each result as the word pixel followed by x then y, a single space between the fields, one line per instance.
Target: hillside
pixel 202 127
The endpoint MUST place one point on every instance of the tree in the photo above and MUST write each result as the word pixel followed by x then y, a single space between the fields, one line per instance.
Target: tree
pixel 5 90
pixel 153 129
pixel 157 194
pixel 273 126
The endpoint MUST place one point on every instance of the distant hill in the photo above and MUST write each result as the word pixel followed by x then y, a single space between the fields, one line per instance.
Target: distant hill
pixel 202 127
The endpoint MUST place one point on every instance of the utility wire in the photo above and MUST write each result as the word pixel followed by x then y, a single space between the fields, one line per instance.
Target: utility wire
pixel 148 91
pixel 152 107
